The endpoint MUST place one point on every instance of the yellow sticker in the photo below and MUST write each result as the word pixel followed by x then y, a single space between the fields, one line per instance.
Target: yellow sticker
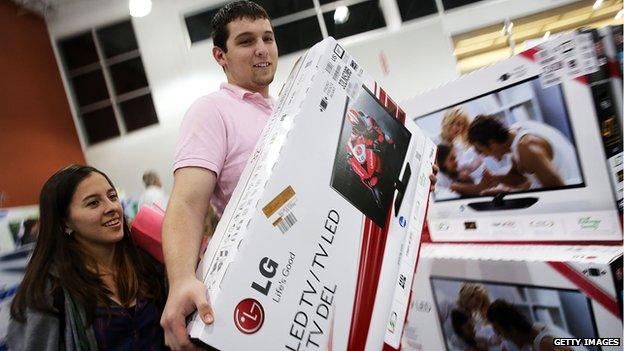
pixel 278 201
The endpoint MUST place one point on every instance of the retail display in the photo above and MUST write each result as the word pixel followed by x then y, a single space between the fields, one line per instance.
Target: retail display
pixel 318 244
pixel 12 269
pixel 497 193
pixel 564 291
pixel 606 85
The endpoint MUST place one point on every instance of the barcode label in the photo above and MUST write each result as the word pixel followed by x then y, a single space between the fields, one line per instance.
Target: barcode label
pixel 330 67
pixel 337 73
pixel 286 222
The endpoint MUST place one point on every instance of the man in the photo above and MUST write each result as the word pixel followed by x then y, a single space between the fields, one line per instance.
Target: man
pixel 153 193
pixel 540 153
pixel 217 137
pixel 514 326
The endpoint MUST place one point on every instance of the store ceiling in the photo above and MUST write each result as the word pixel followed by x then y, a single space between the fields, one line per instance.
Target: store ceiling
pixel 486 45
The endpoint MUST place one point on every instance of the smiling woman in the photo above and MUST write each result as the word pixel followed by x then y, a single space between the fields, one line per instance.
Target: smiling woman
pixel 87 286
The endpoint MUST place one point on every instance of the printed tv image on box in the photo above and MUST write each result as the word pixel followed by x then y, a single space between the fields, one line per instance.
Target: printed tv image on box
pixel 484 143
pixel 480 315
pixel 370 154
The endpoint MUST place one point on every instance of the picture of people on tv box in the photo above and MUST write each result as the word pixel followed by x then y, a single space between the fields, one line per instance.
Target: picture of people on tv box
pixel 514 140
pixel 479 316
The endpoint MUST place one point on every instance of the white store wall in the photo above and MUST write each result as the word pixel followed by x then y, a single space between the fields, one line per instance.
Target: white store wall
pixel 419 57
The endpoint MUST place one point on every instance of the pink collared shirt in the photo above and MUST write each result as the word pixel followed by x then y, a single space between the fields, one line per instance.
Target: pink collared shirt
pixel 219 133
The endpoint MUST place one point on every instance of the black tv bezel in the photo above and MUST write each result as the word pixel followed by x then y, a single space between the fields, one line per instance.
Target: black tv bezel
pixel 582 184
pixel 493 282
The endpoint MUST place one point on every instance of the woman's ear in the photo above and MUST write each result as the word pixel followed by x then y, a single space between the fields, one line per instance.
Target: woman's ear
pixel 67 230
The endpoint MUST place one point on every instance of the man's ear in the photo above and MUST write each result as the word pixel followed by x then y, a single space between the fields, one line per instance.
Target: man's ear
pixel 219 56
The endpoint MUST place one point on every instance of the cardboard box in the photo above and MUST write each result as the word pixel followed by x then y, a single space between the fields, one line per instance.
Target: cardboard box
pixel 575 290
pixel 543 92
pixel 318 245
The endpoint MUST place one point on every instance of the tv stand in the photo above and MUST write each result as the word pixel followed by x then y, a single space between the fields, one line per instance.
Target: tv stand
pixel 499 203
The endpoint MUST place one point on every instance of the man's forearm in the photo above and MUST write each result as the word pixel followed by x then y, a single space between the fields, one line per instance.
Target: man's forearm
pixel 182 234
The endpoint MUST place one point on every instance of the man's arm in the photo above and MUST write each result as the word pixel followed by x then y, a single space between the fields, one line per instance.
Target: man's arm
pixel 183 227
pixel 535 159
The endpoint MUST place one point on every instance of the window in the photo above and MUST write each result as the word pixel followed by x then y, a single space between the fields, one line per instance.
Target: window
pixel 199 26
pixel 363 17
pixel 276 9
pixel 298 35
pixel 451 4
pixel 108 82
pixel 296 24
pixel 411 9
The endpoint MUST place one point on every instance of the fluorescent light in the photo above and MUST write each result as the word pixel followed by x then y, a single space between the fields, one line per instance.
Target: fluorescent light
pixel 619 15
pixel 341 15
pixel 597 4
pixel 546 35
pixel 140 8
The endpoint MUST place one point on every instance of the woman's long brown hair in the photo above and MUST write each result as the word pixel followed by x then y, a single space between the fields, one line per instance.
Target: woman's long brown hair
pixel 59 262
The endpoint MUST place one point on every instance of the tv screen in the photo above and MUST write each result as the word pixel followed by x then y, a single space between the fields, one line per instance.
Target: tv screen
pixel 370 155
pixel 516 139
pixel 463 306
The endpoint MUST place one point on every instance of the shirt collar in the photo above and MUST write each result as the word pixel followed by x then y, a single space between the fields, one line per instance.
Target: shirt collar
pixel 243 94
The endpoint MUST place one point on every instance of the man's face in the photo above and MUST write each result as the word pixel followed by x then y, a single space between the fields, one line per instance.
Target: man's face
pixel 251 58
pixel 509 334
pixel 494 149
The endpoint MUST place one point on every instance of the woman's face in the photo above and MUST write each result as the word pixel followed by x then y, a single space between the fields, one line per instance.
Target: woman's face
pixel 95 213
pixel 456 128
pixel 477 301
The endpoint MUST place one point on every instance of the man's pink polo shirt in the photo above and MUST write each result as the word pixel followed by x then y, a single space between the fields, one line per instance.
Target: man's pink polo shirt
pixel 219 133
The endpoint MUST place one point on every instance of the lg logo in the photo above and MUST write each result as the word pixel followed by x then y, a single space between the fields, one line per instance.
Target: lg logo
pixel 249 316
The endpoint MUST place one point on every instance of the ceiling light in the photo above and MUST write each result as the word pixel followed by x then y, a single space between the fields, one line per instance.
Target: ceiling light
pixel 341 15
pixel 619 15
pixel 140 8
pixel 597 4
pixel 546 35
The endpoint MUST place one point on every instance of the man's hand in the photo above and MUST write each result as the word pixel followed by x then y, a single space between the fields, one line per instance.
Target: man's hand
pixel 433 177
pixel 185 296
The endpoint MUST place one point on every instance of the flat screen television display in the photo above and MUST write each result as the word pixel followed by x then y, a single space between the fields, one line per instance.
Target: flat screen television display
pixel 514 117
pixel 561 312
pixel 370 155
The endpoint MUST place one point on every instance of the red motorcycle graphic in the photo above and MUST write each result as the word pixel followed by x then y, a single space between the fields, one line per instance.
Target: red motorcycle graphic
pixel 365 148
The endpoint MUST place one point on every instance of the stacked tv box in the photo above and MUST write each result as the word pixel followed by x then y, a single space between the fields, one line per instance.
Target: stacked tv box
pixel 488 280
pixel 571 291
pixel 551 90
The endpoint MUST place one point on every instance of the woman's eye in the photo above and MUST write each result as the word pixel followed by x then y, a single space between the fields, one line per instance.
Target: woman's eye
pixel 92 203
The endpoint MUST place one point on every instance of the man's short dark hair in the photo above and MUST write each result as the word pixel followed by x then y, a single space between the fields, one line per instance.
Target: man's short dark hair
pixel 508 317
pixel 485 128
pixel 232 12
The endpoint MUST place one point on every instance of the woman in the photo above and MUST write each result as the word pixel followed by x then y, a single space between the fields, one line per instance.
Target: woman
pixel 86 287
pixel 454 132
pixel 474 300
